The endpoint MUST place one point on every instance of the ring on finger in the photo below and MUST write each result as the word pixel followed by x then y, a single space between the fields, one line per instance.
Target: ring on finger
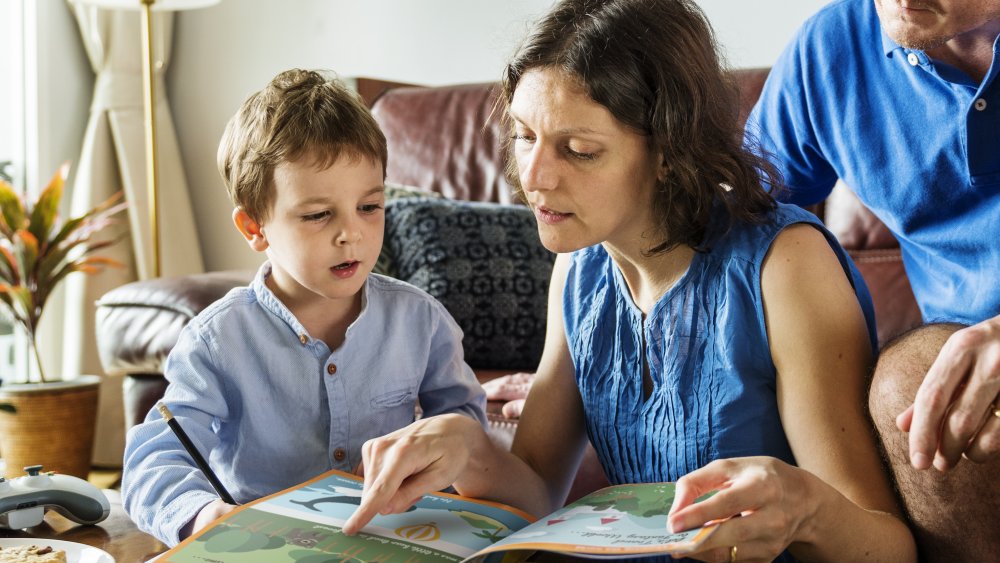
pixel 732 554
pixel 996 409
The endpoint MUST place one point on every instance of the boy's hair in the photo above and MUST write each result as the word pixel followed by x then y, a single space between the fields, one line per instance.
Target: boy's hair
pixel 654 65
pixel 298 114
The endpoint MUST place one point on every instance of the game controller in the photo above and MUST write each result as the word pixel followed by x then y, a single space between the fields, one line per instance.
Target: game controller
pixel 23 500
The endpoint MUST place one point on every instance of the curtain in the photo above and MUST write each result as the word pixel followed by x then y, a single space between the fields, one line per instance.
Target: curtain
pixel 113 158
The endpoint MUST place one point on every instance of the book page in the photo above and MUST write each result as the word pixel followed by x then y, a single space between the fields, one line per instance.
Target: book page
pixel 614 522
pixel 303 525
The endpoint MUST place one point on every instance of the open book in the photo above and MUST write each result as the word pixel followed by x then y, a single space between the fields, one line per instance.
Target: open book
pixel 302 525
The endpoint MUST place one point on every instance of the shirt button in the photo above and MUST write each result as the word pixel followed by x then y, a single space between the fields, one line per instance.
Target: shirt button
pixel 303 338
pixel 913 59
pixel 980 104
pixel 339 454
pixel 331 369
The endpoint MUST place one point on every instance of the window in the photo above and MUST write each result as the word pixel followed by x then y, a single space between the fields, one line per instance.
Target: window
pixel 13 348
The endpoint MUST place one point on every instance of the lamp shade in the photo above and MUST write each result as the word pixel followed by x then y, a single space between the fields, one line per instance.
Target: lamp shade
pixel 159 5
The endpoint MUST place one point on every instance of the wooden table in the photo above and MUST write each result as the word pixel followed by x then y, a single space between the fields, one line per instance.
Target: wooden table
pixel 117 534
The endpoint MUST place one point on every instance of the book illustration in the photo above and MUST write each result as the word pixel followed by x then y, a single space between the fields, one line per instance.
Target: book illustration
pixel 303 525
pixel 614 522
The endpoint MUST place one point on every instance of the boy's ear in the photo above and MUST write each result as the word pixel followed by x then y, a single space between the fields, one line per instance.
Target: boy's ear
pixel 249 229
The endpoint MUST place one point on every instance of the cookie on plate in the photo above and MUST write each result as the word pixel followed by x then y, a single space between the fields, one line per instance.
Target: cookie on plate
pixel 31 554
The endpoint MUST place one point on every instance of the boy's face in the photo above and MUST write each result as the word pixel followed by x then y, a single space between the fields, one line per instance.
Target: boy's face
pixel 324 231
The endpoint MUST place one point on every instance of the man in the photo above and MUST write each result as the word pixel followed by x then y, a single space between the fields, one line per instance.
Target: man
pixel 900 99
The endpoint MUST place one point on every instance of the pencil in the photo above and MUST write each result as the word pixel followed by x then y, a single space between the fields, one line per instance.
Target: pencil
pixel 194 453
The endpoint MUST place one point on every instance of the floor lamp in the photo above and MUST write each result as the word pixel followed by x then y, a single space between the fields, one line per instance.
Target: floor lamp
pixel 149 96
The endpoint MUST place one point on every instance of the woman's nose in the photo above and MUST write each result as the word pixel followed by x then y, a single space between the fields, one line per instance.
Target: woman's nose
pixel 535 170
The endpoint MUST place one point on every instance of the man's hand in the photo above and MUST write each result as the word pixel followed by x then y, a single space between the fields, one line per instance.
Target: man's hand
pixel 954 412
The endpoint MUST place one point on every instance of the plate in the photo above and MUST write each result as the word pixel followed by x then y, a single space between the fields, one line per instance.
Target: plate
pixel 75 552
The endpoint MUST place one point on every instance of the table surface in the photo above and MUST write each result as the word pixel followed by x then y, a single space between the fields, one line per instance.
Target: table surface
pixel 117 534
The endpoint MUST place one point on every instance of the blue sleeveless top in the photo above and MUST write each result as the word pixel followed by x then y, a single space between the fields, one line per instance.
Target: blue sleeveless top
pixel 713 379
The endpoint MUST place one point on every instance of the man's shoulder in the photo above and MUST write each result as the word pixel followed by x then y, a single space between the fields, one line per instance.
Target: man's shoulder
pixel 835 16
pixel 838 26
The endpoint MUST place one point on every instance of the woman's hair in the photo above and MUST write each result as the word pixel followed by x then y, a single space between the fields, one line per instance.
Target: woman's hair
pixel 654 65
pixel 298 114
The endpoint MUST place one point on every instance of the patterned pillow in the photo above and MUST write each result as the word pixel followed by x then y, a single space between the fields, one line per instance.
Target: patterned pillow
pixel 384 264
pixel 485 264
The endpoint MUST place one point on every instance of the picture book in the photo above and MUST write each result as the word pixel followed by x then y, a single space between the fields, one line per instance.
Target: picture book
pixel 303 525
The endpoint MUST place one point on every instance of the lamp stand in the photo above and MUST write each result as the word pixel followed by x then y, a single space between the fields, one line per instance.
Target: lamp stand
pixel 152 176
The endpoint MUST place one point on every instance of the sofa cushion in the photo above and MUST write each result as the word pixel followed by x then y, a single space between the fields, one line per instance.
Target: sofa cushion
pixel 445 139
pixel 384 265
pixel 485 264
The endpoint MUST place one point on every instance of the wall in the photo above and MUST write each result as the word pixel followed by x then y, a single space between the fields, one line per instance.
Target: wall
pixel 223 53
pixel 57 89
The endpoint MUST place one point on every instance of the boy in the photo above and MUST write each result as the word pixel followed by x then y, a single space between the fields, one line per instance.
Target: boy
pixel 288 377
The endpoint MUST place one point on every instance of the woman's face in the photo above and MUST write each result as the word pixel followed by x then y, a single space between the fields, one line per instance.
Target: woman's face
pixel 588 177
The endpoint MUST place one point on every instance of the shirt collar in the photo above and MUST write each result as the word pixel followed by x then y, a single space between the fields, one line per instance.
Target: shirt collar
pixel 270 301
pixel 889 45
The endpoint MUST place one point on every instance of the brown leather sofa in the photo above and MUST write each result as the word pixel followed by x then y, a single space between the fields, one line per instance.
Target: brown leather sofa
pixel 438 142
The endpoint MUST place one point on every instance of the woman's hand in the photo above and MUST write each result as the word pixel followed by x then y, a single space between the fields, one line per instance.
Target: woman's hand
pixel 399 468
pixel 770 497
pixel 954 411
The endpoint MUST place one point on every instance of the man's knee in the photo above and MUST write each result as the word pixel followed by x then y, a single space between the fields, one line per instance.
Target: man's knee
pixel 950 512
pixel 902 365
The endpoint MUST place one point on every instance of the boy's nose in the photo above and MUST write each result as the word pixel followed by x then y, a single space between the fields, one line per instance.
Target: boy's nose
pixel 347 236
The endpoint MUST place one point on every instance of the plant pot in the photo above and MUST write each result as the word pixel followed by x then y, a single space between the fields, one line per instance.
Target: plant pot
pixel 53 426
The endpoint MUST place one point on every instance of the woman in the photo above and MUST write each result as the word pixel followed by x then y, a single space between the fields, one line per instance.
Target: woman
pixel 698 332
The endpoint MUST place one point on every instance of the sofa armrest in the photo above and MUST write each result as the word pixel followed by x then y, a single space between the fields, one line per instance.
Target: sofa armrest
pixel 138 323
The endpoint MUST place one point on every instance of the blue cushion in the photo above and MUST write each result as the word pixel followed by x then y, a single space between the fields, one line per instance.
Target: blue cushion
pixel 384 264
pixel 485 264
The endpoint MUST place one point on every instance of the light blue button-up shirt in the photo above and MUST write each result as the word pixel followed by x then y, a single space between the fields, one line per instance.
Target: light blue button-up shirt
pixel 271 407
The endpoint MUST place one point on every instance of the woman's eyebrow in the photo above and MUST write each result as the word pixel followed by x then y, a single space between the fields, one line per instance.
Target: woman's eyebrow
pixel 565 130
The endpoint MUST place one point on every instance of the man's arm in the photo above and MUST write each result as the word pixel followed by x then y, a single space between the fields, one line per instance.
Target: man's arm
pixel 781 125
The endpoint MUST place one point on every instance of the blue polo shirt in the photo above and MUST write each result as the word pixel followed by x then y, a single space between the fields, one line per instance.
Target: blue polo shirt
pixel 916 139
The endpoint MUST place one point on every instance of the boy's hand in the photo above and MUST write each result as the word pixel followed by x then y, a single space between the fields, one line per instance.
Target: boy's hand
pixel 207 515
pixel 509 387
pixel 512 388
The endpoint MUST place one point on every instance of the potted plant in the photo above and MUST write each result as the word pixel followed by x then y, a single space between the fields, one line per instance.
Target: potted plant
pixel 47 420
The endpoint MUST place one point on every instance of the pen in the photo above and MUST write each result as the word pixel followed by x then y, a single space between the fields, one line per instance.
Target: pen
pixel 194 453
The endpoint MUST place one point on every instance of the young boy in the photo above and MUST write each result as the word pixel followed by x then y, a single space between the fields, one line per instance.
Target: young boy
pixel 287 378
